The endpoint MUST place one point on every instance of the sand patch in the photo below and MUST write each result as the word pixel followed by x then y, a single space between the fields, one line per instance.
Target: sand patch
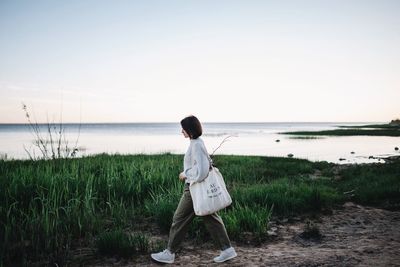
pixel 353 236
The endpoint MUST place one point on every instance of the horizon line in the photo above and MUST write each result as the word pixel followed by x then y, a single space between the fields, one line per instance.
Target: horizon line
pixel 205 122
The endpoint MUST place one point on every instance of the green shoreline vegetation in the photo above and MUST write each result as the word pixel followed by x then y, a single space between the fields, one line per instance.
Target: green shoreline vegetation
pixel 48 205
pixel 390 129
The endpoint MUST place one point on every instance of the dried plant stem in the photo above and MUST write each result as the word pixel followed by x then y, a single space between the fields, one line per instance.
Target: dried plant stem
pixel 56 139
pixel 223 141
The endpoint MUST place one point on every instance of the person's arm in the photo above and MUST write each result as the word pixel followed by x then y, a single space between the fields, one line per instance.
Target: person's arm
pixel 201 166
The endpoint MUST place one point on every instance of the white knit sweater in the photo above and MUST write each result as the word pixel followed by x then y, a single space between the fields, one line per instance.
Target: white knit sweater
pixel 196 162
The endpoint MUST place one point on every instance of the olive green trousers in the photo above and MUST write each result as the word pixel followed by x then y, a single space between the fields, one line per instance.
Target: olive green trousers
pixel 184 215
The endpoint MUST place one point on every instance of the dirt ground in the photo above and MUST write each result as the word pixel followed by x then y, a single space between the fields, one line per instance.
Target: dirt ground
pixel 352 236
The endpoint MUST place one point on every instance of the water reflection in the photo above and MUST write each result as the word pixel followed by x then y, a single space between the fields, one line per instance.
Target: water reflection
pixel 247 140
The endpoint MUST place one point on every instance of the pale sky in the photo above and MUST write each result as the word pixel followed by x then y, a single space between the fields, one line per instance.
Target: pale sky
pixel 158 61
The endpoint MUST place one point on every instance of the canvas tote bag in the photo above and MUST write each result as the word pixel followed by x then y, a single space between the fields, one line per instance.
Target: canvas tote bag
pixel 210 195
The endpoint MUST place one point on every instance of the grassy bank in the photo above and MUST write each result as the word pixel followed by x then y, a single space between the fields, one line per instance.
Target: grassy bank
pixel 366 130
pixel 108 201
pixel 349 132
pixel 373 126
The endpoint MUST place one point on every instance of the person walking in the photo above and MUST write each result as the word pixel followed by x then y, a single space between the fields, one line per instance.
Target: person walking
pixel 196 167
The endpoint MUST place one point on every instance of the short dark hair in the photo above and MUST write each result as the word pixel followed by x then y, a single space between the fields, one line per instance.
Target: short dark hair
pixel 192 126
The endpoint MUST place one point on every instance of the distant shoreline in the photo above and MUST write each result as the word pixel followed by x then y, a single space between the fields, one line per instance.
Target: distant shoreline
pixel 177 122
pixel 361 130
pixel 247 139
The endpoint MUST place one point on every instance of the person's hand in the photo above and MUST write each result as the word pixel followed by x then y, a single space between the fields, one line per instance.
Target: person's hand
pixel 182 176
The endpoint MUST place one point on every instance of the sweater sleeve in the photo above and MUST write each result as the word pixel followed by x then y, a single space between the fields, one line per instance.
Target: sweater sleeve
pixel 199 170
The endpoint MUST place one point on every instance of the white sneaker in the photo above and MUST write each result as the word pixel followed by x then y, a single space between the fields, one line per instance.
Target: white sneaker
pixel 165 256
pixel 226 254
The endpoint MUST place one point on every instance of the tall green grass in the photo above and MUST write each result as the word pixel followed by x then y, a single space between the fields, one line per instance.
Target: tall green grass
pixel 117 242
pixel 374 184
pixel 162 206
pixel 242 219
pixel 288 196
pixel 46 205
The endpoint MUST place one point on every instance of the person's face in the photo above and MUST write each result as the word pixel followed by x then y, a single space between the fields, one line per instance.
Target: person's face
pixel 185 134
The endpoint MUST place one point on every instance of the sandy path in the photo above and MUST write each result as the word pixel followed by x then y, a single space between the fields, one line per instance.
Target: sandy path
pixel 352 236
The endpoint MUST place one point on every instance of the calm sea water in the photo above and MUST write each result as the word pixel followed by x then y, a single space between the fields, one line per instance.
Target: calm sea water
pixel 246 139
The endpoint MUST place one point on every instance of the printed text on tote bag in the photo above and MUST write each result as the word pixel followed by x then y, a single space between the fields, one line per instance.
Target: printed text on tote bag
pixel 214 190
